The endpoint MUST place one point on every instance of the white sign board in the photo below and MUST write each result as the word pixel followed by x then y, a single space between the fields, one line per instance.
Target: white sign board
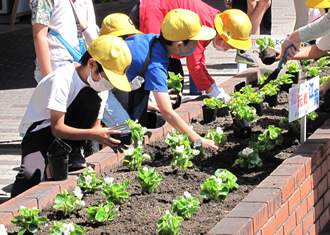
pixel 303 98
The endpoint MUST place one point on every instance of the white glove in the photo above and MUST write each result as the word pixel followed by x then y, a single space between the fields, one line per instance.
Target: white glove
pixel 218 93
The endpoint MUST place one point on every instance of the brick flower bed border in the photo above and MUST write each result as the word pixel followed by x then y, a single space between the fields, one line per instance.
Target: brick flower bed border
pixel 294 198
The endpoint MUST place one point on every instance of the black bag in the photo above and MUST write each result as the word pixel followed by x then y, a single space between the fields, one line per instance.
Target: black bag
pixel 125 135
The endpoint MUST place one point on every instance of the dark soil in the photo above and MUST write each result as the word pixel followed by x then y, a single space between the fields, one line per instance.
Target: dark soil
pixel 139 213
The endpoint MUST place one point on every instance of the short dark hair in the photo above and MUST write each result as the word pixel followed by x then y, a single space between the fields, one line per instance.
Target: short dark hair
pixel 84 60
pixel 170 43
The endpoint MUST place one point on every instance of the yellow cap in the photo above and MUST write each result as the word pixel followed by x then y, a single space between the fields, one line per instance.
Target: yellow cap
pixel 118 24
pixel 181 24
pixel 115 57
pixel 234 27
pixel 317 3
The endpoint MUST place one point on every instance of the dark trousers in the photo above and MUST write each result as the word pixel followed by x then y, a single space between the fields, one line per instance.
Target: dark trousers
pixel 82 113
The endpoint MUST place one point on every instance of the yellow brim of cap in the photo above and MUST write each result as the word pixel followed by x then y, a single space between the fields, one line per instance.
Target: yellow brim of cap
pixel 118 81
pixel 317 3
pixel 206 33
pixel 125 31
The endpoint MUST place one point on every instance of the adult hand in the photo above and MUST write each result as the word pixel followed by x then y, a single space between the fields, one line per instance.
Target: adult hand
pixel 292 39
pixel 175 97
pixel 209 144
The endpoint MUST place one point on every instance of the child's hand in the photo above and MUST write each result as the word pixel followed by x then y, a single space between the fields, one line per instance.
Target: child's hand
pixel 209 144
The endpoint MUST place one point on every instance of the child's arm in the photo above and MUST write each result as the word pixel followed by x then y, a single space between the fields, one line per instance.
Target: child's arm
pixel 164 104
pixel 40 32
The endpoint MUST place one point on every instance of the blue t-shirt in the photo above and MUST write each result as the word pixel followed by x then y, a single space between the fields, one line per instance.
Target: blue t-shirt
pixel 156 74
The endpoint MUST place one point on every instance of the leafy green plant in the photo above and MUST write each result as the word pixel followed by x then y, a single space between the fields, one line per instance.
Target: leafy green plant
pixel 134 157
pixel 169 224
pixel 294 125
pixel 67 229
pixel 185 206
pixel 211 103
pixel 149 179
pixel 248 158
pixel 218 186
pixel 198 150
pixel 292 67
pixel 217 136
pixel 312 71
pixel 174 81
pixel 68 202
pixel 323 80
pixel 284 79
pixel 306 62
pixel 270 88
pixel 137 132
pixel 251 94
pixel 271 137
pixel 240 110
pixel 323 62
pixel 87 180
pixel 115 193
pixel 312 115
pixel 28 220
pixel 265 42
pixel 101 213
pixel 263 77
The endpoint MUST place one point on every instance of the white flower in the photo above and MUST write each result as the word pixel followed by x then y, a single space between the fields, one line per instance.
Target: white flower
pixel 180 137
pixel 90 169
pixel 197 143
pixel 168 136
pixel 129 151
pixel 185 156
pixel 213 177
pixel 67 228
pixel 77 191
pixel 144 129
pixel 146 156
pixel 219 181
pixel 219 130
pixel 109 180
pixel 145 168
pixel 187 194
pixel 175 139
pixel 22 207
pixel 190 205
pixel 3 230
pixel 140 144
pixel 195 152
pixel 80 202
pixel 247 151
pixel 179 149
pixel 167 212
pixel 88 179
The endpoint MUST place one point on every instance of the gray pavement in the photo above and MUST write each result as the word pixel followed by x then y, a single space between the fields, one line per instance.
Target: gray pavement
pixel 17 83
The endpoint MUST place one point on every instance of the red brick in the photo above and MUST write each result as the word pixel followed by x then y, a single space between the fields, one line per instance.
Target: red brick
pixel 312 230
pixel 269 227
pixel 5 218
pixel 324 219
pixel 290 224
pixel 327 196
pixel 43 193
pixel 281 215
pixel 306 188
pixel 321 187
pixel 193 107
pixel 69 184
pixel 310 200
pixel 157 133
pixel 256 211
pixel 285 183
pixel 270 196
pixel 167 129
pixel 297 230
pixel 232 226
pixel 100 160
pixel 316 177
pixel 318 208
pixel 301 211
pixel 280 231
pixel 299 159
pixel 13 204
pixel 184 115
pixel 294 201
pixel 295 170
pixel 316 151
pixel 324 167
pixel 308 221
pixel 120 158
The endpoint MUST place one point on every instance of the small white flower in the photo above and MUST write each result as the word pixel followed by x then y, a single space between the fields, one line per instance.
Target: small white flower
pixel 219 130
pixel 88 179
pixel 144 129
pixel 213 177
pixel 146 156
pixel 187 194
pixel 190 205
pixel 34 208
pixel 67 228
pixel 90 169
pixel 197 143
pixel 168 136
pixel 167 212
pixel 129 151
pixel 80 202
pixel 145 168
pixel 195 152
pixel 180 137
pixel 3 230
pixel 109 180
pixel 22 207
pixel 185 156
pixel 140 144
pixel 179 149
pixel 175 139
pixel 219 181
pixel 77 191
pixel 247 151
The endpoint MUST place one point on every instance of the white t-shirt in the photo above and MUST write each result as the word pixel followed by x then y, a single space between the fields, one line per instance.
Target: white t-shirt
pixel 324 43
pixel 56 91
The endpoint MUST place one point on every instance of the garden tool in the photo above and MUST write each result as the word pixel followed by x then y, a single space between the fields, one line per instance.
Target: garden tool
pixel 275 73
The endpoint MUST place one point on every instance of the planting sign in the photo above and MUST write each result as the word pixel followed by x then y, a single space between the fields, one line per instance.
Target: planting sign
pixel 303 98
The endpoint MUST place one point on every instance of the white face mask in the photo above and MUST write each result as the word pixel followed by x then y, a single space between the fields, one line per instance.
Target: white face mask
pixel 101 85
pixel 217 47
